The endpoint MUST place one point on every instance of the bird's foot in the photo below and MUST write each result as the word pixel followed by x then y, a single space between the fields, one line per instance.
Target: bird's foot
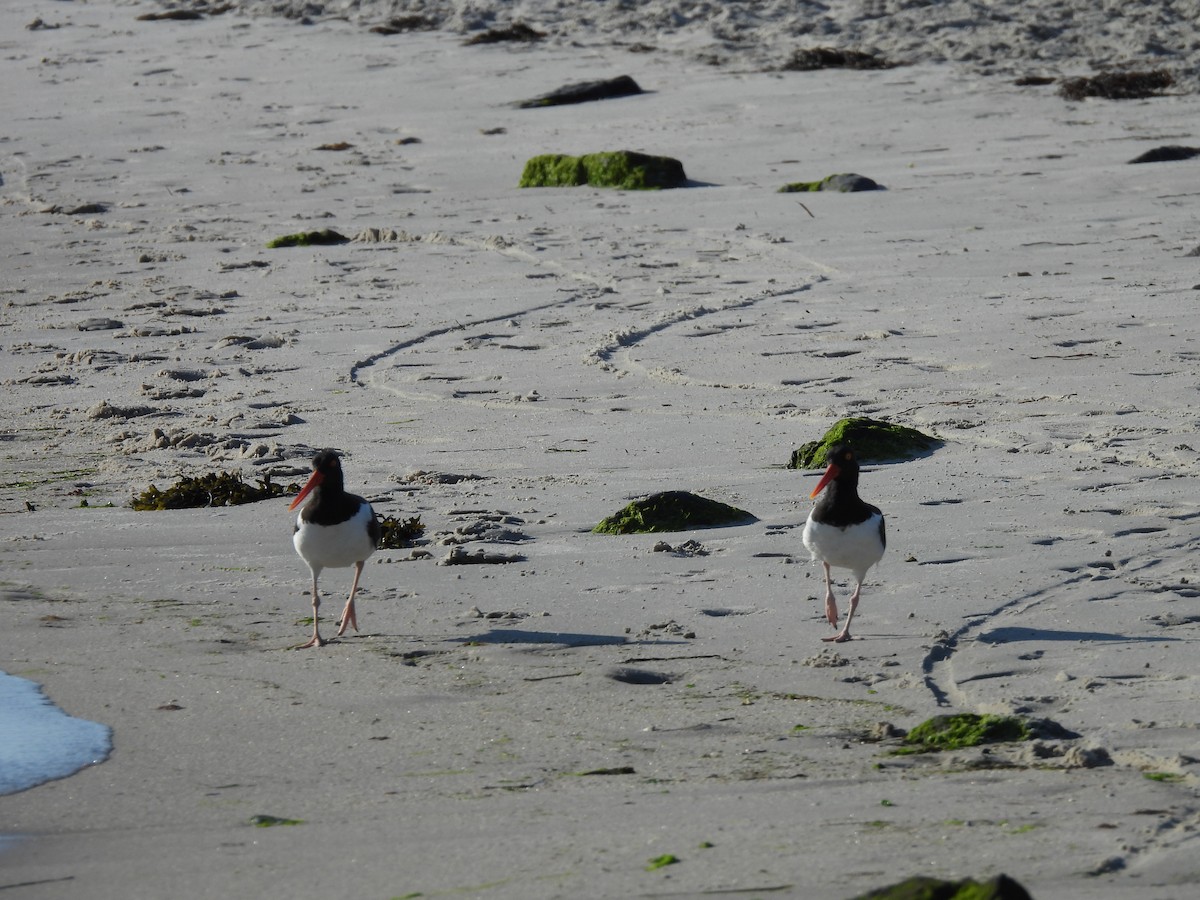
pixel 348 618
pixel 831 611
pixel 315 641
pixel 840 638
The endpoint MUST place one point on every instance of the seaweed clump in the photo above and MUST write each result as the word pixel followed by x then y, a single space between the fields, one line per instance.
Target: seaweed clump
pixel 1118 85
pixel 323 237
pixel 622 169
pixel 873 440
pixel 922 887
pixel 955 732
pixel 672 511
pixel 213 489
pixel 396 533
pixel 815 58
pixel 518 31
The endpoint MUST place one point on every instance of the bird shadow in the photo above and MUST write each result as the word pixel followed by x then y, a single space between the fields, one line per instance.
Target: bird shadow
pixel 557 638
pixel 1012 634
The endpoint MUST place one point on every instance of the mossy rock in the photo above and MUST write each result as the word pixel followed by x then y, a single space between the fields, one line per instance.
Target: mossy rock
pixel 672 511
pixel 955 732
pixel 213 489
pixel 622 169
pixel 873 440
pixel 325 236
pixel 922 887
pixel 846 183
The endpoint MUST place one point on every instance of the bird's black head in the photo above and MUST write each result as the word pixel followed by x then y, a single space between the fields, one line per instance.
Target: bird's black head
pixel 329 463
pixel 842 456
pixel 327 460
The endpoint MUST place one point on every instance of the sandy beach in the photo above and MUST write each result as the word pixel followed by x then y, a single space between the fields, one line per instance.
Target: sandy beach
pixel 512 365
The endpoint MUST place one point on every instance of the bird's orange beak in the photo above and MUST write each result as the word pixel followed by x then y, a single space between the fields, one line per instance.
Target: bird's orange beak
pixel 831 473
pixel 313 480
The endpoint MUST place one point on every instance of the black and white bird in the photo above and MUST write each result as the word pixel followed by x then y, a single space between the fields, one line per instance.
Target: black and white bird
pixel 333 531
pixel 843 531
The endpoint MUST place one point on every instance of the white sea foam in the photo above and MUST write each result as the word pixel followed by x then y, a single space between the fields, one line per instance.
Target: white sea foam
pixel 39 742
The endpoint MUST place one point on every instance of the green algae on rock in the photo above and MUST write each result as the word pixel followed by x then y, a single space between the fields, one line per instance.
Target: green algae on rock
pixel 873 440
pixel 845 182
pixel 622 169
pixel 263 820
pixel 213 489
pixel 921 887
pixel 672 511
pixel 955 732
pixel 308 239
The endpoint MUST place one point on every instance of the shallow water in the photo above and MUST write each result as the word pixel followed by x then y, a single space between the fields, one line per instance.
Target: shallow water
pixel 39 742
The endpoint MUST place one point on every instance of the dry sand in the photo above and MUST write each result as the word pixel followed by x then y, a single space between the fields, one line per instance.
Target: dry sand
pixel 542 356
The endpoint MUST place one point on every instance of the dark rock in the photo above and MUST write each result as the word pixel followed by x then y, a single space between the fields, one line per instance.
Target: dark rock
pixel 1170 153
pixel 518 31
pixel 1118 85
pixel 399 24
pixel 585 91
pixel 845 183
pixel 831 58
pixel 173 15
pixel 100 324
pixel 922 887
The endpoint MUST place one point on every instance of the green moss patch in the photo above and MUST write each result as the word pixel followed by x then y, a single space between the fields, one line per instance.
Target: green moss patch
pixel 265 821
pixel 213 489
pixel 399 533
pixel 873 440
pixel 955 732
pixel 672 511
pixel 309 239
pixel 922 887
pixel 622 169
pixel 845 182
pixel 660 862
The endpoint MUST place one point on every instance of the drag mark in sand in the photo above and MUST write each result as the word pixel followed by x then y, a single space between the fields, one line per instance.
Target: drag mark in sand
pixel 604 353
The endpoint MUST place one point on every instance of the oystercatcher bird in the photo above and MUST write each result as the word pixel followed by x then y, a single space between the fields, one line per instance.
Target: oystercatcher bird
pixel 843 531
pixel 334 530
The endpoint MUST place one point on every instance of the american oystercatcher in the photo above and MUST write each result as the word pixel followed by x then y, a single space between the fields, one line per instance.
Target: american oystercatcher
pixel 843 531
pixel 334 530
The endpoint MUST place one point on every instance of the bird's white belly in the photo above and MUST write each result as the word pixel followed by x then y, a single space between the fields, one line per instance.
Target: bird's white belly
pixel 855 547
pixel 335 546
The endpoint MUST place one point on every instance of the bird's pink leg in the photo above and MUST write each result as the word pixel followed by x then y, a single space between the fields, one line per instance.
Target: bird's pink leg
pixel 348 617
pixel 831 610
pixel 316 640
pixel 844 634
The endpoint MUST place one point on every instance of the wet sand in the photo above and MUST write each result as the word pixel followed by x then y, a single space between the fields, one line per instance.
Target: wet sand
pixel 512 366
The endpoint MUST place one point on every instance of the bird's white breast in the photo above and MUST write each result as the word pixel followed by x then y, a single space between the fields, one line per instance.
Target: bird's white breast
pixel 855 547
pixel 335 546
